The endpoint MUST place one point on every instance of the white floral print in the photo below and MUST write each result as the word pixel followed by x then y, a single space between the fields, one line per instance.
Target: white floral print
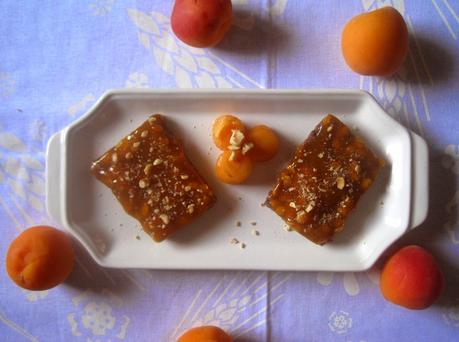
pixel 137 80
pixel 23 175
pixel 38 130
pixel 339 322
pixel 191 67
pixel 101 7
pixel 98 318
pixel 94 316
pixel 451 316
pixel 34 296
pixel 350 282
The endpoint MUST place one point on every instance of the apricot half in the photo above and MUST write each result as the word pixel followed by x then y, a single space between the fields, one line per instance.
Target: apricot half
pixel 265 141
pixel 411 278
pixel 233 167
pixel 375 43
pixel 40 258
pixel 223 128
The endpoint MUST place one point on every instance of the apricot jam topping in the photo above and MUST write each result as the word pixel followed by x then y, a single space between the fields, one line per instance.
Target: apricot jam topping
pixel 150 175
pixel 323 183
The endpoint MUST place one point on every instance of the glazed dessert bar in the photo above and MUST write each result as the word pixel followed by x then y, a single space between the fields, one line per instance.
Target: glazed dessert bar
pixel 150 175
pixel 329 172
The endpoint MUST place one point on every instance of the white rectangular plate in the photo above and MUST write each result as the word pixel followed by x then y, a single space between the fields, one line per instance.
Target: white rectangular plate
pixel 92 214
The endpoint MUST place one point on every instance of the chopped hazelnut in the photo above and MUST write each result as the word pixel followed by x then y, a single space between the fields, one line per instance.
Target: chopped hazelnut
pixel 340 183
pixel 114 157
pixel 164 218
pixel 184 176
pixel 247 147
pixel 236 137
pixel 143 183
pixel 147 169
pixel 129 155
pixel 234 147
pixel 300 216
pixel 310 206
pixel 144 134
pixel 157 162
pixel 287 228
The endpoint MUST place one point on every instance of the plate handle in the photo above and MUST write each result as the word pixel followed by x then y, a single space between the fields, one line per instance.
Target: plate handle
pixel 420 180
pixel 53 176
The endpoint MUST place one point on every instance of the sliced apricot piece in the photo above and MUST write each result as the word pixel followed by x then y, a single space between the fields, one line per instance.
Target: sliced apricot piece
pixel 233 167
pixel 266 143
pixel 223 128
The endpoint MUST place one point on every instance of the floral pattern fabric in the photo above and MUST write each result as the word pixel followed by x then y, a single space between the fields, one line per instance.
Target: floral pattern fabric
pixel 59 57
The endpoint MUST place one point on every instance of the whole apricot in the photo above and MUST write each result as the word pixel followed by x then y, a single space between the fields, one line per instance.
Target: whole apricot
pixel 207 333
pixel 201 23
pixel 40 258
pixel 411 278
pixel 375 43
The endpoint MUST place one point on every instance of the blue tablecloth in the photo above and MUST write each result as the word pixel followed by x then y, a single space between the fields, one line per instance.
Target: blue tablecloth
pixel 58 57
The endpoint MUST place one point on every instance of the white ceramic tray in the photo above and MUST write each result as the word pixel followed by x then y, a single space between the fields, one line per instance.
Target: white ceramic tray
pixel 87 209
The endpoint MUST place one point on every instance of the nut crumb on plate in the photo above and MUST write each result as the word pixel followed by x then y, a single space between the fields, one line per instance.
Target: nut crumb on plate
pixel 234 241
pixel 287 228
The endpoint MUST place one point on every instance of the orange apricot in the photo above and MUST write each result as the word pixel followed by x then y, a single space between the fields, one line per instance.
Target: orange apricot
pixel 233 167
pixel 201 23
pixel 266 143
pixel 375 43
pixel 40 258
pixel 207 333
pixel 411 278
pixel 223 128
